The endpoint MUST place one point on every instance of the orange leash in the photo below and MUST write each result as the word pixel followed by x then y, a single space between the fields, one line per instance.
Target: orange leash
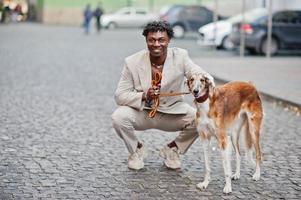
pixel 173 94
pixel 155 84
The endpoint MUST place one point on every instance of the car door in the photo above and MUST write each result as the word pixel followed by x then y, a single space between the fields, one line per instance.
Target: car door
pixel 197 17
pixel 125 17
pixel 287 26
pixel 141 17
pixel 134 20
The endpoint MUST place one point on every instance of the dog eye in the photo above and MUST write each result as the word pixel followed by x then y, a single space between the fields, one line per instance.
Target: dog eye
pixel 192 79
pixel 202 80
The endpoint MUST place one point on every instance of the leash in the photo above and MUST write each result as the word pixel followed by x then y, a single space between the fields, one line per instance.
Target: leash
pixel 173 94
pixel 155 84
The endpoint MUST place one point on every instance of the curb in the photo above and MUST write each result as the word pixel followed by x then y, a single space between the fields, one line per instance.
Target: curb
pixel 292 106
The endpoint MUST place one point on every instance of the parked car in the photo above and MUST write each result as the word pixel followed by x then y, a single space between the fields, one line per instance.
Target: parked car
pixel 218 33
pixel 185 19
pixel 286 32
pixel 128 17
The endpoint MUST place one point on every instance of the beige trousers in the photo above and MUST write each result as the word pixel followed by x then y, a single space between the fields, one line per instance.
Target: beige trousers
pixel 126 120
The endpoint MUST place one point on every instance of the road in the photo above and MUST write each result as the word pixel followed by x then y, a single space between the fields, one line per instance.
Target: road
pixel 56 138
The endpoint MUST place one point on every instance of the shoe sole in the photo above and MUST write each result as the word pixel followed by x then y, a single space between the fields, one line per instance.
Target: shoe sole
pixel 163 155
pixel 138 168
pixel 170 167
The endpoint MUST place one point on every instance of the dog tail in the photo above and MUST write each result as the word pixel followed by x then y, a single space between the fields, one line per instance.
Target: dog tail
pixel 248 143
pixel 248 137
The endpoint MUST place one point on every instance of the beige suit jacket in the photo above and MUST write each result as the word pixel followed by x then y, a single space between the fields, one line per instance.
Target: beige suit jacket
pixel 136 79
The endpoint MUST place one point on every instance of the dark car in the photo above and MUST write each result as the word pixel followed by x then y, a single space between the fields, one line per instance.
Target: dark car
pixel 185 19
pixel 286 32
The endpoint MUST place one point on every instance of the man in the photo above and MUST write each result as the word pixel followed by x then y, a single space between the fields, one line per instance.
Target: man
pixel 98 13
pixel 134 94
pixel 88 14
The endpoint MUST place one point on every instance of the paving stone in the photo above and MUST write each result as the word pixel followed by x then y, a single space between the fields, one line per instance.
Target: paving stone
pixel 57 141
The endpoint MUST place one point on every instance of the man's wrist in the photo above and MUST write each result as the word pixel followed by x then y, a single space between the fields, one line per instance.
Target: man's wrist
pixel 144 97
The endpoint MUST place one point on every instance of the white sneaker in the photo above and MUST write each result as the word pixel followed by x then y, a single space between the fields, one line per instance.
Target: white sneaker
pixel 136 159
pixel 171 156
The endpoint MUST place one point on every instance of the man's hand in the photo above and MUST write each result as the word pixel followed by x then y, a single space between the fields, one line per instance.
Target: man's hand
pixel 152 93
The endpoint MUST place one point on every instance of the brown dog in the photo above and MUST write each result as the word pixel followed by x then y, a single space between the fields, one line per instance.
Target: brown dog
pixel 233 107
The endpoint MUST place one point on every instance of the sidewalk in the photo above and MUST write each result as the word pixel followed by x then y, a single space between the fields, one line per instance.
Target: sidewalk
pixel 279 78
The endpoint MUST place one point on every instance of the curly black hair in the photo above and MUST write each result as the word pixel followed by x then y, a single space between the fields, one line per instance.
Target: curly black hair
pixel 156 26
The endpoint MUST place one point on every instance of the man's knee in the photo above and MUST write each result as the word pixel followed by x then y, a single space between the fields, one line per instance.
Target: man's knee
pixel 191 114
pixel 189 118
pixel 121 116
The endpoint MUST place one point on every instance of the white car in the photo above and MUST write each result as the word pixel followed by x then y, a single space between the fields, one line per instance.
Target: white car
pixel 217 34
pixel 128 17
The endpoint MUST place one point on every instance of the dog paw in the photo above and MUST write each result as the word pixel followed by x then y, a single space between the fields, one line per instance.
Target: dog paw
pixel 202 185
pixel 256 176
pixel 235 176
pixel 227 189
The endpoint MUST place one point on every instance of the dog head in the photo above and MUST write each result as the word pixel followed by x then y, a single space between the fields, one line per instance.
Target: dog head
pixel 201 86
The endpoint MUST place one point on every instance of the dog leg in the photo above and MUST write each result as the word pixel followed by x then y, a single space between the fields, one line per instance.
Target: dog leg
pixel 249 157
pixel 207 154
pixel 226 151
pixel 256 175
pixel 235 134
pixel 235 143
pixel 254 125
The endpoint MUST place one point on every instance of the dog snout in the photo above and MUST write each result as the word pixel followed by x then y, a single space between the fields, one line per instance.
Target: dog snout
pixel 195 91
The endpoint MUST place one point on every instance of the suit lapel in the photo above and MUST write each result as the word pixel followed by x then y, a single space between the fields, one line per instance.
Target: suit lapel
pixel 144 72
pixel 168 69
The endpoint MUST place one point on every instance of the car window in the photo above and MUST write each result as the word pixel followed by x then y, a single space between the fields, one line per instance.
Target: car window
pixel 141 12
pixel 123 11
pixel 194 12
pixel 126 13
pixel 174 11
pixel 288 17
pixel 299 18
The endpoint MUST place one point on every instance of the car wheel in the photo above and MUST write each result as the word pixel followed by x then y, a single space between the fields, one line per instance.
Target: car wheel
pixel 179 31
pixel 252 51
pixel 227 43
pixel 274 46
pixel 112 25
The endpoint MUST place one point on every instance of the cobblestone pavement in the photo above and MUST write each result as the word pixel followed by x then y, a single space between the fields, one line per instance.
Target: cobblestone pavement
pixel 56 139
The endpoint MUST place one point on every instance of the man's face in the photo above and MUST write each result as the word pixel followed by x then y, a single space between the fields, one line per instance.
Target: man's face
pixel 157 43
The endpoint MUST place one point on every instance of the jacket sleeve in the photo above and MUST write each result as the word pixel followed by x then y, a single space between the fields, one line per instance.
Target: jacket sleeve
pixel 125 94
pixel 191 68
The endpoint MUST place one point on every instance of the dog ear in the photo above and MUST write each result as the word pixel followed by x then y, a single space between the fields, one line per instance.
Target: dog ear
pixel 189 81
pixel 211 90
pixel 210 84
